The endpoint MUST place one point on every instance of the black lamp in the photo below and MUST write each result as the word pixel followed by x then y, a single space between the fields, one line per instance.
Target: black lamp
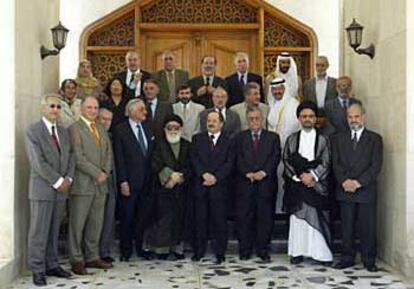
pixel 354 31
pixel 59 34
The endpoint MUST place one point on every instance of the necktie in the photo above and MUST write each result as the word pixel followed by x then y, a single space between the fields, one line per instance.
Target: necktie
pixel 220 111
pixel 141 140
pixel 212 142
pixel 55 139
pixel 255 142
pixel 207 81
pixel 184 111
pixel 131 81
pixel 95 134
pixel 149 108
pixel 242 82
pixel 354 140
pixel 171 86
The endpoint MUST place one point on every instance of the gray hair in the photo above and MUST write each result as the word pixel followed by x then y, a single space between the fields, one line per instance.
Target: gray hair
pixel 105 109
pixel 251 109
pixel 132 104
pixel 220 89
pixel 239 55
pixel 44 99
pixel 249 87
pixel 358 104
pixel 87 97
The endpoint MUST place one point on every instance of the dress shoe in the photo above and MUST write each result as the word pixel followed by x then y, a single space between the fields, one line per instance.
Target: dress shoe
pixel 108 259
pixel 296 260
pixel 124 258
pixel 79 269
pixel 39 279
pixel 342 264
pixel 245 256
pixel 371 268
pixel 219 259
pixel 196 258
pixel 178 256
pixel 264 257
pixel 58 272
pixel 146 254
pixel 98 264
pixel 162 256
pixel 325 263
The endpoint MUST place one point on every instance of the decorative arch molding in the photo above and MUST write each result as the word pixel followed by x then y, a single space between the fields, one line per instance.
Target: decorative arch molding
pixel 105 41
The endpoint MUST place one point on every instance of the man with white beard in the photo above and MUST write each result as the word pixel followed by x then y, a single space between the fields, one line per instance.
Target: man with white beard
pixel 283 121
pixel 171 167
pixel 286 68
pixel 307 160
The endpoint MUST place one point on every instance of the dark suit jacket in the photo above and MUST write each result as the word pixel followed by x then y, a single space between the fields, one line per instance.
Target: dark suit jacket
pixel 235 90
pixel 266 160
pixel 218 162
pixel 131 164
pixel 130 92
pixel 231 125
pixel 309 91
pixel 156 124
pixel 198 82
pixel 336 117
pixel 364 164
pixel 181 77
pixel 46 164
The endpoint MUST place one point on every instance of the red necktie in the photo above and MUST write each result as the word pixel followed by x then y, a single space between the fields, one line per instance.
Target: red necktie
pixel 255 142
pixel 55 139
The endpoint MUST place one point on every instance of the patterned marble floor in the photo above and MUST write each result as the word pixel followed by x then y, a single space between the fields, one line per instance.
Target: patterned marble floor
pixel 233 274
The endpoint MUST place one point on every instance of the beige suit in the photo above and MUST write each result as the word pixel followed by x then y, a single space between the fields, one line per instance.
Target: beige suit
pixel 87 197
pixel 191 118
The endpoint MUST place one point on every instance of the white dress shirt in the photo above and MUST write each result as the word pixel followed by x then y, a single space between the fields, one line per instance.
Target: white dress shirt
pixel 216 136
pixel 134 126
pixel 358 133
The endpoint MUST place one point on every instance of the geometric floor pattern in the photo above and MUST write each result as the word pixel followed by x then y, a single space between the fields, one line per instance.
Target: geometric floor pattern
pixel 233 274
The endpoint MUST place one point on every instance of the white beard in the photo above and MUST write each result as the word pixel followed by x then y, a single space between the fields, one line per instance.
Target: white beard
pixel 173 138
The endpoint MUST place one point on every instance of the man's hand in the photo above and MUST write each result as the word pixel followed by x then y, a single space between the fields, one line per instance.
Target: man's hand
pixel 210 89
pixel 65 186
pixel 177 177
pixel 350 186
pixel 258 176
pixel 102 178
pixel 125 192
pixel 202 91
pixel 209 180
pixel 170 184
pixel 137 77
pixel 307 179
pixel 250 176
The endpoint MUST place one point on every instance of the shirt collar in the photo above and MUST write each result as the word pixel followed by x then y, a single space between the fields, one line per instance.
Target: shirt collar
pixel 133 124
pixel 240 74
pixel 216 135
pixel 48 123
pixel 308 133
pixel 87 121
pixel 136 71
pixel 259 133
pixel 154 102
pixel 358 132
pixel 325 78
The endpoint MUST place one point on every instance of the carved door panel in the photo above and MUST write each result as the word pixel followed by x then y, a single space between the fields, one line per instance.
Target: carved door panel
pixel 191 46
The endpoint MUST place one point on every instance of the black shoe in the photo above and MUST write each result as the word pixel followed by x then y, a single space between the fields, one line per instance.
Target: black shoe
pixel 146 254
pixel 124 258
pixel 245 256
pixel 296 260
pixel 196 258
pixel 343 264
pixel 162 256
pixel 325 263
pixel 264 257
pixel 58 272
pixel 178 256
pixel 108 259
pixel 219 259
pixel 371 268
pixel 39 279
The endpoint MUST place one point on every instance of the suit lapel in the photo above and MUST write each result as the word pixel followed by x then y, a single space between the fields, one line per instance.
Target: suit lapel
pixel 313 90
pixel 48 138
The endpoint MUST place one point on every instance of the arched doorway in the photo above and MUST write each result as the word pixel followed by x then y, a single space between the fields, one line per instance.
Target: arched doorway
pixel 193 28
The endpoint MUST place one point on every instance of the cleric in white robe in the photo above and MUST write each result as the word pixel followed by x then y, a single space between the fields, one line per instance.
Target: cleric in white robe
pixel 283 121
pixel 307 160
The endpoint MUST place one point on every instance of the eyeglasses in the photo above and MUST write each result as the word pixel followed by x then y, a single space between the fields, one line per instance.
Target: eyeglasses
pixel 172 128
pixel 52 106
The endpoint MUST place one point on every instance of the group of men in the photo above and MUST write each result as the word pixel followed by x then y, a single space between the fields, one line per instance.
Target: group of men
pixel 186 147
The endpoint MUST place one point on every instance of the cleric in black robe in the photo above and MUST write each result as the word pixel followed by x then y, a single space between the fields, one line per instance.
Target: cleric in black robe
pixel 171 168
pixel 307 160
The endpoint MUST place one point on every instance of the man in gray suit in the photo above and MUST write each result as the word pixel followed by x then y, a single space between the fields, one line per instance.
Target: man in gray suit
pixel 170 78
pixel 251 98
pixel 335 109
pixel 231 118
pixel 321 88
pixel 189 112
pixel 93 153
pixel 52 166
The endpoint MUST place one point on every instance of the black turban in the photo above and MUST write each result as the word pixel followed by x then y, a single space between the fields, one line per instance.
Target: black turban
pixel 173 117
pixel 307 104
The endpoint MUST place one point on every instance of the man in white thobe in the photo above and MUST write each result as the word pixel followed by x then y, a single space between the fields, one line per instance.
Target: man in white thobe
pixel 307 160
pixel 283 121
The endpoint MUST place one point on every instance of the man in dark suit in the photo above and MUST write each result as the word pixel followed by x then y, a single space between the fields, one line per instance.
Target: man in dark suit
pixel 93 151
pixel 357 162
pixel 231 119
pixel 156 110
pixel 335 109
pixel 133 146
pixel 321 88
pixel 170 78
pixel 212 159
pixel 235 83
pixel 257 157
pixel 203 86
pixel 52 166
pixel 133 77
